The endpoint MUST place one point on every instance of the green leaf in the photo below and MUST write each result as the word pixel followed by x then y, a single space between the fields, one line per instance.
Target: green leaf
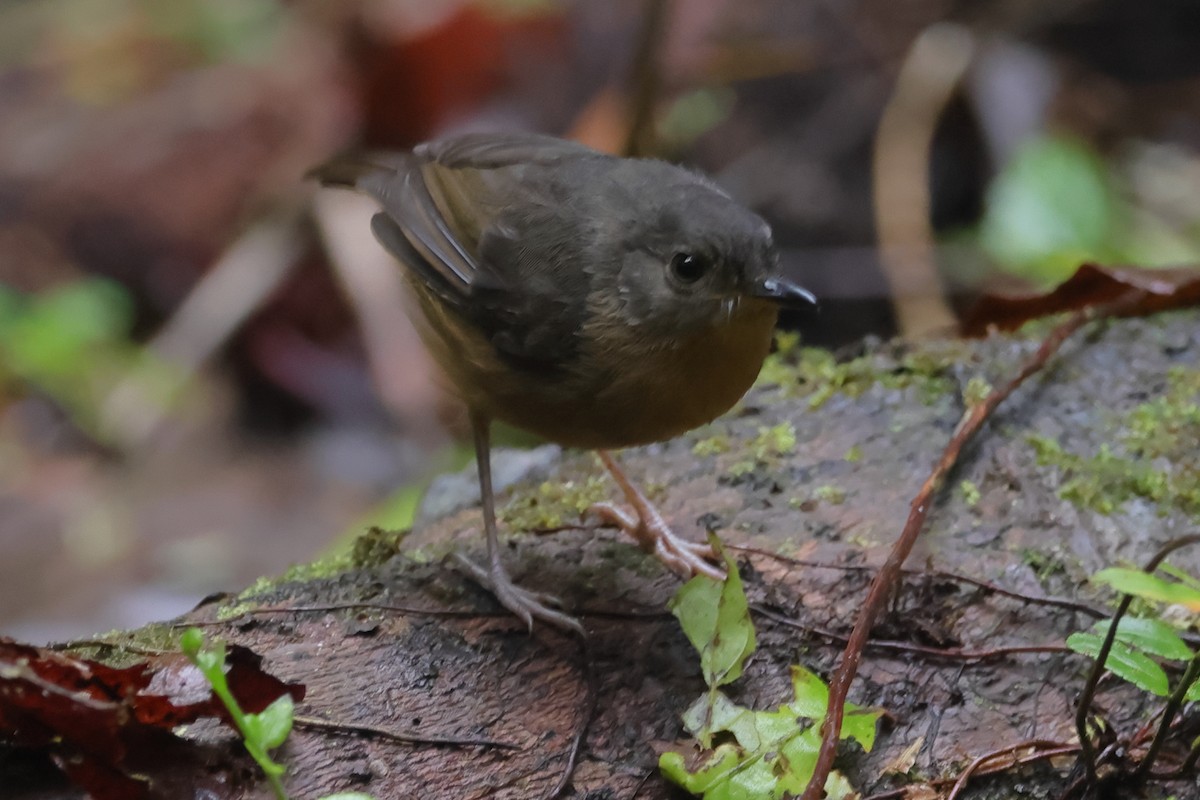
pixel 1151 636
pixel 1151 587
pixel 1124 662
pixel 715 618
pixel 190 642
pixel 1052 208
pixel 1193 692
pixel 775 751
pixel 270 727
pixel 212 663
pixel 717 768
pixel 1177 573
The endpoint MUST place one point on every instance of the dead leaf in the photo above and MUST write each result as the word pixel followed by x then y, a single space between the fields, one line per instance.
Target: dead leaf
pixel 1090 285
pixel 903 763
pixel 92 718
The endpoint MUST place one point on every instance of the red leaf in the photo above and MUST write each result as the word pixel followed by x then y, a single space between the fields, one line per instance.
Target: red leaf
pixel 1090 285
pixel 92 718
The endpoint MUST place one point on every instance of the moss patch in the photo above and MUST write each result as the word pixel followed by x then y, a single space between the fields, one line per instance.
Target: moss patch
pixel 765 449
pixel 712 446
pixel 552 503
pixel 119 648
pixel 376 546
pixel 828 493
pixel 976 391
pixel 818 375
pixel 1156 456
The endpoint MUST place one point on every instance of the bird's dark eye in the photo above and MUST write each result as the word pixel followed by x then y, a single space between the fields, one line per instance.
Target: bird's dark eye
pixel 689 267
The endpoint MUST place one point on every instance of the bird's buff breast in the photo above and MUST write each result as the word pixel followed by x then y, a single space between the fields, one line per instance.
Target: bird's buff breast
pixel 623 393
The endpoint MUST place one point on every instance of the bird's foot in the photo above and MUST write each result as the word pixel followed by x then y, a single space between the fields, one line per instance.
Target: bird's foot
pixel 525 604
pixel 651 532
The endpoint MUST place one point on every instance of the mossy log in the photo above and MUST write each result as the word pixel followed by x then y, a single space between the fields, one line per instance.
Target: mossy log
pixel 1093 463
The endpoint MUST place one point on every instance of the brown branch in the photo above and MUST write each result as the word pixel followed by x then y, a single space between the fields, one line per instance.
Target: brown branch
pixel 885 580
pixel 646 78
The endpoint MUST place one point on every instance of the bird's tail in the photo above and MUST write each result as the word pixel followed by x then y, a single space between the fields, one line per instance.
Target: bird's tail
pixel 350 169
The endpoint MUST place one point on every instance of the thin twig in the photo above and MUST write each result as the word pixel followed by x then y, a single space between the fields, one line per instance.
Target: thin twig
pixel 638 789
pixel 991 769
pixel 416 611
pixel 1043 749
pixel 948 653
pixel 1188 764
pixel 1168 718
pixel 885 580
pixel 374 732
pixel 234 288
pixel 349 606
pixel 987 586
pixel 646 78
pixel 585 723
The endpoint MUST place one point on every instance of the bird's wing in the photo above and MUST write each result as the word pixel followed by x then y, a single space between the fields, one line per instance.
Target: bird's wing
pixel 492 150
pixel 479 220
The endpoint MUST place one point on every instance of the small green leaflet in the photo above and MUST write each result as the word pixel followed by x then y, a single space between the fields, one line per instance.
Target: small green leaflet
pixel 774 752
pixel 1124 662
pixel 1151 636
pixel 1151 587
pixel 715 618
pixel 271 727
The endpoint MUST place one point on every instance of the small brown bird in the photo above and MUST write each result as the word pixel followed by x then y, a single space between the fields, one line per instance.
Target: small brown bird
pixel 596 301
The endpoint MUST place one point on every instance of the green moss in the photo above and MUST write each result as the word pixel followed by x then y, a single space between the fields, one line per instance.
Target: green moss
pixel 376 546
pixel 817 374
pixel 234 610
pixel 853 455
pixel 786 342
pixel 1168 426
pixel 329 567
pixel 765 450
pixel 970 493
pixel 976 391
pixel 552 503
pixel 833 495
pixel 778 440
pixel 122 648
pixel 1043 564
pixel 316 570
pixel 712 446
pixel 1156 455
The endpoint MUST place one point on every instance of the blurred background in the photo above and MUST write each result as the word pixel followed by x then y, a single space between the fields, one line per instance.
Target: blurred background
pixel 206 373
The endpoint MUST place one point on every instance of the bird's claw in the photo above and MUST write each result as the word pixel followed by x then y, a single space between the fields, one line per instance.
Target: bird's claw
pixel 686 559
pixel 525 604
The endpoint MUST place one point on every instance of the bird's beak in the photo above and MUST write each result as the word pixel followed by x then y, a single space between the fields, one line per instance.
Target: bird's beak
pixel 783 291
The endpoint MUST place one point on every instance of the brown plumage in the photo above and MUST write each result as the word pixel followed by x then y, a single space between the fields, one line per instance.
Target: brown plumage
pixel 596 301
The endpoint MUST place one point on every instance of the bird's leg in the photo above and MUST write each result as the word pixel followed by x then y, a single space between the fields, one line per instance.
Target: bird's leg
pixel 527 605
pixel 651 532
